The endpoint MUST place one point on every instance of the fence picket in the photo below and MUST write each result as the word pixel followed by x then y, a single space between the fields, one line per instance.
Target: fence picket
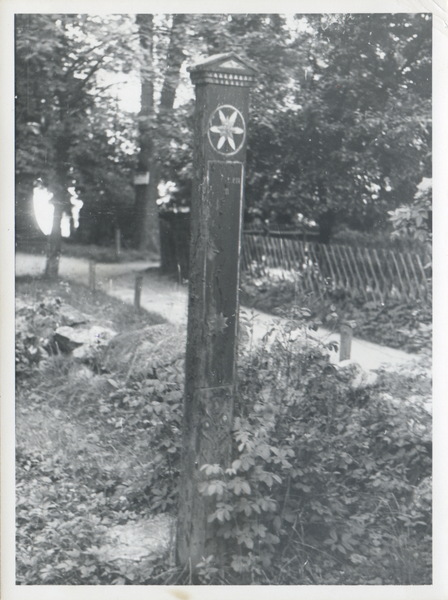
pixel 289 249
pixel 411 262
pixel 353 275
pixel 311 263
pixel 362 286
pixel 265 241
pixel 285 254
pixel 373 272
pixel 279 251
pixel 336 266
pixel 318 269
pixel 342 263
pixel 368 282
pixel 248 242
pixel 411 291
pixel 422 271
pixel 398 274
pixel 380 271
pixel 324 250
pixel 377 285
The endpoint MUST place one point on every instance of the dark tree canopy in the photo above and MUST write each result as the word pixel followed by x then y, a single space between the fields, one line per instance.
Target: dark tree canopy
pixel 67 131
pixel 340 127
pixel 357 138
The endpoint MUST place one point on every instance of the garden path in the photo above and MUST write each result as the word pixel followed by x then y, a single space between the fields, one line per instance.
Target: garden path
pixel 169 298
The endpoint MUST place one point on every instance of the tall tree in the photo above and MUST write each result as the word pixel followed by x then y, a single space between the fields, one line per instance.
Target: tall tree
pixel 58 62
pixel 357 132
pixel 340 125
pixel 162 57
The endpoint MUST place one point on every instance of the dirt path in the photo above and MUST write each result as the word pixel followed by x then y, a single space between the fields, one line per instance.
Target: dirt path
pixel 169 299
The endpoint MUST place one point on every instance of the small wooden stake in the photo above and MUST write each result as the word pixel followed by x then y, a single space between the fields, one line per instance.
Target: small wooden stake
pixel 346 341
pixel 117 242
pixel 138 290
pixel 92 275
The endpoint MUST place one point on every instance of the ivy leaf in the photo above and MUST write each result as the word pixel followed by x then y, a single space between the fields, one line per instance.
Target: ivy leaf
pixel 217 324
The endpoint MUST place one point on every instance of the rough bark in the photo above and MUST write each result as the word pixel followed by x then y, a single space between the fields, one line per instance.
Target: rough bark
pixel 145 214
pixel 147 219
pixel 54 243
pixel 61 203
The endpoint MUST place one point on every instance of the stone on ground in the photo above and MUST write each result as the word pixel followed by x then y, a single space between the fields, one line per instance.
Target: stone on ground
pixel 83 343
pixel 144 539
pixel 139 352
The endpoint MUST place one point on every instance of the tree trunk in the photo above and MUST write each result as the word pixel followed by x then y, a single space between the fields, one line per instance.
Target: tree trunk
pixel 147 219
pixel 54 243
pixel 147 230
pixel 147 211
pixel 326 222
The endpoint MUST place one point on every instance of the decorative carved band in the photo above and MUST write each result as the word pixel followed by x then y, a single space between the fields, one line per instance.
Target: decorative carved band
pixel 203 77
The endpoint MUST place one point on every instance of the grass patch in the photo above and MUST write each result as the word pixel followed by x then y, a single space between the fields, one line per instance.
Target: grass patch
pixel 101 308
pixel 101 254
pixel 106 254
pixel 83 453
pixel 401 324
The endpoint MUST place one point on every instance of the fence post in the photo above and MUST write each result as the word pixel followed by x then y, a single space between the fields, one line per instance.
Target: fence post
pixel 346 341
pixel 138 290
pixel 117 242
pixel 92 275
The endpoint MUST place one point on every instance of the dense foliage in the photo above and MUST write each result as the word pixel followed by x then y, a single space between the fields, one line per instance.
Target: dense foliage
pixel 414 220
pixel 324 472
pixel 69 132
pixel 340 126
pixel 399 323
pixel 329 484
pixel 340 123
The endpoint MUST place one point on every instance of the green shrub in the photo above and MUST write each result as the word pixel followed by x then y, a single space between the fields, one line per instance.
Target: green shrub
pixel 403 324
pixel 323 475
pixel 329 481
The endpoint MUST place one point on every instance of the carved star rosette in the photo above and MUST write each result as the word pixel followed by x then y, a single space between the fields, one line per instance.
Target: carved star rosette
pixel 227 130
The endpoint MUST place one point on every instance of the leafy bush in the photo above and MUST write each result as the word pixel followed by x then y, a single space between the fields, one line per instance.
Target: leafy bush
pixel 94 449
pixel 324 471
pixel 329 481
pixel 35 324
pixel 415 220
pixel 406 325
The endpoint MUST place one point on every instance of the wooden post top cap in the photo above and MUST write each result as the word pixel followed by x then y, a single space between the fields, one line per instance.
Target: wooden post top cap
pixel 229 62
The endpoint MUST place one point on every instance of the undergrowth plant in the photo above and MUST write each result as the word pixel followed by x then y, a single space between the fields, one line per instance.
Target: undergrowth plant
pixel 329 481
pixel 323 473
pixel 404 324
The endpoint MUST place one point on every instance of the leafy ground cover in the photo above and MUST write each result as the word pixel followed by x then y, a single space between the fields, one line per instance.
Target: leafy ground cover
pixel 406 325
pixel 330 479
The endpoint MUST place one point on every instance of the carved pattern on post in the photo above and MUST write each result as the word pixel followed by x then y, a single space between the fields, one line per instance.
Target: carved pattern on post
pixel 225 123
pixel 222 79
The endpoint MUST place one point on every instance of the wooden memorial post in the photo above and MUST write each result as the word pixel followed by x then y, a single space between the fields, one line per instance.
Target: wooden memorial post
pixel 222 107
